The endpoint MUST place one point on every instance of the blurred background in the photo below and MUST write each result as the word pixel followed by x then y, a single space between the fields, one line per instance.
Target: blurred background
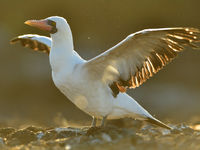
pixel 27 93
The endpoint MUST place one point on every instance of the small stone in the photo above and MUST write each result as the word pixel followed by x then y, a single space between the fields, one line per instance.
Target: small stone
pixel 165 132
pixel 21 137
pixel 95 141
pixel 4 132
pixel 175 131
pixel 65 134
pixel 49 135
pixel 106 137
pixel 40 135
pixel 34 129
pixel 1 141
pixel 66 129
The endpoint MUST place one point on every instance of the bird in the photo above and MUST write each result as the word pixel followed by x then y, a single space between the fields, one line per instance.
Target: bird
pixel 98 86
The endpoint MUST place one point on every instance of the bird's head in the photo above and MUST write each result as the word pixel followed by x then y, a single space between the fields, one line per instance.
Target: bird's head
pixel 53 25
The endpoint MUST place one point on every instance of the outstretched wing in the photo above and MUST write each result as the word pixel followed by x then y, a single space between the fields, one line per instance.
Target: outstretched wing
pixel 139 56
pixel 34 41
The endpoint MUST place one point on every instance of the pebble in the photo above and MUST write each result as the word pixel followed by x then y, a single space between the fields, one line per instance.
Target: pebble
pixel 21 137
pixel 1 141
pixel 106 137
pixel 4 132
pixel 40 135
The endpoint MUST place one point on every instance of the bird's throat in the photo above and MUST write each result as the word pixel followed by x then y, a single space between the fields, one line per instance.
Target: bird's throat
pixel 61 52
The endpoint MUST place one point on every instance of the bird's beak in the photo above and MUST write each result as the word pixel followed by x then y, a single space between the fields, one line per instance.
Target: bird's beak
pixel 41 24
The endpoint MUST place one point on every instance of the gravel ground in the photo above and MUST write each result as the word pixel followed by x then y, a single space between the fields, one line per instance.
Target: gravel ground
pixel 117 135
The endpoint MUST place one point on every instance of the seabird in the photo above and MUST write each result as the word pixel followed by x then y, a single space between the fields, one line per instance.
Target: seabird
pixel 98 86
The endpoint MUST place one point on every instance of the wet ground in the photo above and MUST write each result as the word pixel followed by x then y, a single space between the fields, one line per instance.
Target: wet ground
pixel 117 135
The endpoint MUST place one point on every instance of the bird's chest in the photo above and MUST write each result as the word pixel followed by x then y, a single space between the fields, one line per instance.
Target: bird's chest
pixel 73 87
pixel 89 97
pixel 67 84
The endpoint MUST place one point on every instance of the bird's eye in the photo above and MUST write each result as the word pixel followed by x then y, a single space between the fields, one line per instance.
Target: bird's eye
pixel 52 23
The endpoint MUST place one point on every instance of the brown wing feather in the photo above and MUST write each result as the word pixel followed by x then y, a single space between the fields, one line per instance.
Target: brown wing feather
pixel 33 44
pixel 160 57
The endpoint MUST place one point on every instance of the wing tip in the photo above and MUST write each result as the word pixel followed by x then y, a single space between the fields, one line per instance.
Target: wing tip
pixel 192 29
pixel 14 40
pixel 31 43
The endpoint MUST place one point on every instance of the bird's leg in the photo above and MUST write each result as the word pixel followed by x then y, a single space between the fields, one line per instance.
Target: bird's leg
pixel 94 121
pixel 103 121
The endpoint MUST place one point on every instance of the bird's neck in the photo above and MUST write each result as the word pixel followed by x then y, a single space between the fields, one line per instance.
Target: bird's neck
pixel 62 53
pixel 63 39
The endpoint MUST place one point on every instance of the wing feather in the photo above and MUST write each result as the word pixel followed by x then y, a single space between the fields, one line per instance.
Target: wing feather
pixel 139 56
pixel 34 41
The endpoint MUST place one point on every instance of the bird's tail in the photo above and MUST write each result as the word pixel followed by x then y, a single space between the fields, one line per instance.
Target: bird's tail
pixel 158 123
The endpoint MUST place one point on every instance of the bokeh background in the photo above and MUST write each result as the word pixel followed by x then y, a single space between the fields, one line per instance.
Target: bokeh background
pixel 27 93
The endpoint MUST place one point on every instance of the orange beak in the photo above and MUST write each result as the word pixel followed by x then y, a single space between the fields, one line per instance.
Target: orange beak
pixel 41 24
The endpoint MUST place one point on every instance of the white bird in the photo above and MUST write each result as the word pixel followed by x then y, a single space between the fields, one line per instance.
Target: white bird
pixel 98 86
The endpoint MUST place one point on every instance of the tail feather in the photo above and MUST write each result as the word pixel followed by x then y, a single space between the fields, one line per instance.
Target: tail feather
pixel 158 123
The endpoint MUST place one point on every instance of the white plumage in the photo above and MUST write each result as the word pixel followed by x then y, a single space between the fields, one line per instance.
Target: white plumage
pixel 98 86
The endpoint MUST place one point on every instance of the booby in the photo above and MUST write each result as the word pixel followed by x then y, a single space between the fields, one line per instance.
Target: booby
pixel 98 86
